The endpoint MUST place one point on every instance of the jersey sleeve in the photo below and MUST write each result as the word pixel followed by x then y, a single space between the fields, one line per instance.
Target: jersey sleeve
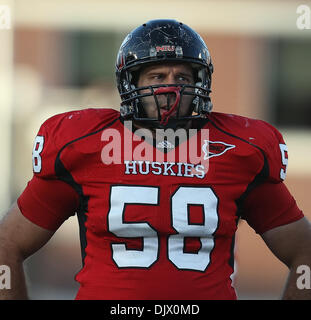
pixel 47 201
pixel 270 205
pixel 275 150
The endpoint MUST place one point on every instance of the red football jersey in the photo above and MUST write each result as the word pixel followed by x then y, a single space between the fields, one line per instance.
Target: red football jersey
pixel 157 218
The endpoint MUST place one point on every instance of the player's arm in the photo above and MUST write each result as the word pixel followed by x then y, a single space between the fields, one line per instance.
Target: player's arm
pixel 291 244
pixel 272 212
pixel 44 205
pixel 19 238
pixel 40 210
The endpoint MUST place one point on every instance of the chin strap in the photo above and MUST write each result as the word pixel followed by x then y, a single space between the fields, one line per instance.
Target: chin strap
pixel 163 90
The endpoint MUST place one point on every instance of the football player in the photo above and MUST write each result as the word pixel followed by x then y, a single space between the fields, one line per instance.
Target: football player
pixel 156 222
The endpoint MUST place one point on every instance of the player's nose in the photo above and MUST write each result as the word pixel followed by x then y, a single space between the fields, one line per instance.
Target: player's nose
pixel 170 99
pixel 170 78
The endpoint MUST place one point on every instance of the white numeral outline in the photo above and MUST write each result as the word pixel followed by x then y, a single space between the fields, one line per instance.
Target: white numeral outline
pixel 284 149
pixel 36 157
pixel 120 197
pixel 180 202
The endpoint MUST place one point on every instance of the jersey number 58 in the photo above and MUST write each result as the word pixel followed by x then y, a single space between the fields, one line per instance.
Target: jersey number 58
pixel 121 196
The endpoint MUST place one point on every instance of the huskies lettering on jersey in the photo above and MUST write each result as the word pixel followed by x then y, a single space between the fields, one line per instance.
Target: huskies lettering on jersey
pixel 165 168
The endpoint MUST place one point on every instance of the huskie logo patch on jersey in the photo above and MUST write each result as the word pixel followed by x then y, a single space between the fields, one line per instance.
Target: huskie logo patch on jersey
pixel 215 148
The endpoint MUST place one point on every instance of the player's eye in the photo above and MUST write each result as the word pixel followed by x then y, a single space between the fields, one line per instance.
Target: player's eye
pixel 157 76
pixel 183 79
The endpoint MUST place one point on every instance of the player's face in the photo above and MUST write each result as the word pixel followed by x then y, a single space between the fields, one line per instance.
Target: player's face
pixel 168 73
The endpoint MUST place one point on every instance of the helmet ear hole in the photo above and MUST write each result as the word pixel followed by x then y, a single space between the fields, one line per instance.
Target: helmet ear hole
pixel 209 106
pixel 134 78
pixel 200 75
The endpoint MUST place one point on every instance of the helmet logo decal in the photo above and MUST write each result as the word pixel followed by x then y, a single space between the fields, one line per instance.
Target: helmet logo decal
pixel 165 48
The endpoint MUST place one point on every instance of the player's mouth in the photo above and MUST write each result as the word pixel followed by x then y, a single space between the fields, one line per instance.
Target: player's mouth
pixel 165 109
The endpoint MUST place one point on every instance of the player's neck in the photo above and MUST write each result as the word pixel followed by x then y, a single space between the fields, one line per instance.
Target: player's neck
pixel 158 131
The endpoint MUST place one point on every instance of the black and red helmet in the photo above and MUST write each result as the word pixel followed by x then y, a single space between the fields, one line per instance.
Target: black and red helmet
pixel 159 41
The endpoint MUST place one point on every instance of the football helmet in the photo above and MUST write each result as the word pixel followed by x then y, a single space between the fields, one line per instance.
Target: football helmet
pixel 159 41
